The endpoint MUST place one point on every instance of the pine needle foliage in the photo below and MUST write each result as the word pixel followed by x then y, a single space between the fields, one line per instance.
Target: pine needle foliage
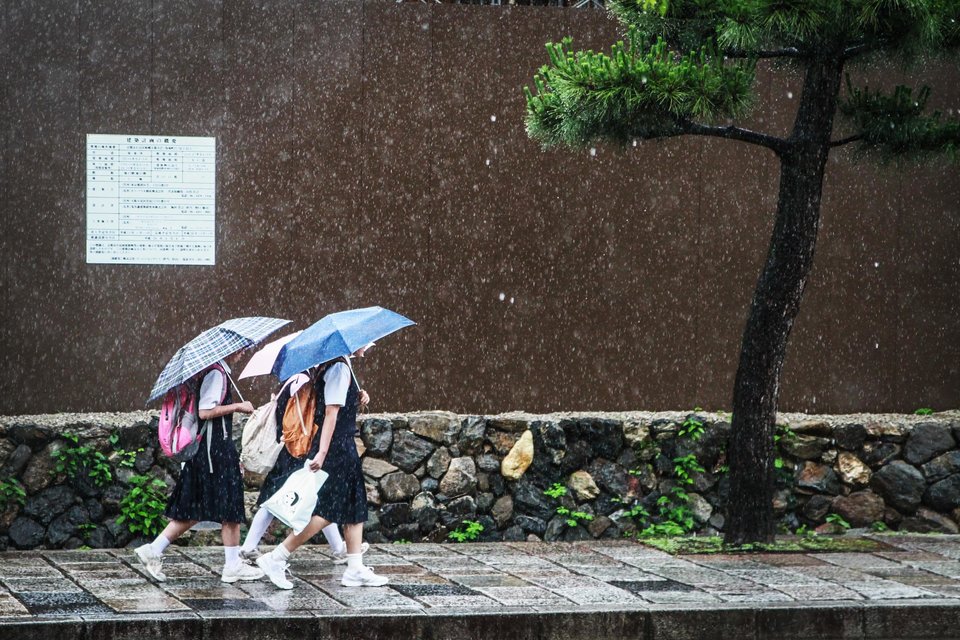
pixel 684 63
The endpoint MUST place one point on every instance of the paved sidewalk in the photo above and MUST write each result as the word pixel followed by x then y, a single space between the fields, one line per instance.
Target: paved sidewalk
pixel 617 589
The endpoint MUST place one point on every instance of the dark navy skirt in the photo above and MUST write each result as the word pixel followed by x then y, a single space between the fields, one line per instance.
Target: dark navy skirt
pixel 202 495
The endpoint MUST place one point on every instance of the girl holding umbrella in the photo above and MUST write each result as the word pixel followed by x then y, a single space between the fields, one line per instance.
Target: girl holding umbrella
pixel 343 498
pixel 210 487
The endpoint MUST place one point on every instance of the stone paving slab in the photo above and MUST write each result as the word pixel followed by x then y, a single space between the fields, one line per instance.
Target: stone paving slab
pixel 600 589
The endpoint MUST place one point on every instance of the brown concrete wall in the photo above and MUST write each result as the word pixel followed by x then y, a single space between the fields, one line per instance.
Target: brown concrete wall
pixel 353 146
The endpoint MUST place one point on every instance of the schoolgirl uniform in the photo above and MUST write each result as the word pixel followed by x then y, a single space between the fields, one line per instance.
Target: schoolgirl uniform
pixel 343 498
pixel 211 486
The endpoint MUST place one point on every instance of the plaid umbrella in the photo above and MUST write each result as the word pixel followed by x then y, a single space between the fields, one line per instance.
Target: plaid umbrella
pixel 210 347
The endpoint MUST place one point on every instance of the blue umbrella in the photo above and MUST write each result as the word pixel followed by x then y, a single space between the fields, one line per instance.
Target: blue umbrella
pixel 335 335
pixel 212 346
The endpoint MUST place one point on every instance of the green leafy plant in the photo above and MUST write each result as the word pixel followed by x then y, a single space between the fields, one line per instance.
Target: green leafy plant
pixel 684 468
pixel 77 458
pixel 837 519
pixel 556 491
pixel 401 541
pixel 923 411
pixel 11 492
pixel 692 428
pixel 86 529
pixel 470 533
pixel 142 508
pixel 573 518
pixel 125 458
pixel 879 526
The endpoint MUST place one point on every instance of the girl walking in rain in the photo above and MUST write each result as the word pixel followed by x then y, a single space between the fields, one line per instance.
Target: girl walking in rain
pixel 210 487
pixel 263 518
pixel 343 498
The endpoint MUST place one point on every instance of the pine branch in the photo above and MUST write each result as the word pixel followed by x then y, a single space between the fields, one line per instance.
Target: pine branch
pixel 788 52
pixel 847 140
pixel 857 49
pixel 775 144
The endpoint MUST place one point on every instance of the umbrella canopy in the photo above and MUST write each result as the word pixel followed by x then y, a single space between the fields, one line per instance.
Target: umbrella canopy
pixel 262 361
pixel 210 347
pixel 335 335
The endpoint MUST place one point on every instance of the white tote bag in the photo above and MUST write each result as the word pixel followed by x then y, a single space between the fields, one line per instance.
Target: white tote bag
pixel 293 503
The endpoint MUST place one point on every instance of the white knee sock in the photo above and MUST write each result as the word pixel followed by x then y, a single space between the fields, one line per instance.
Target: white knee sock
pixel 334 539
pixel 258 527
pixel 231 556
pixel 160 544
pixel 354 561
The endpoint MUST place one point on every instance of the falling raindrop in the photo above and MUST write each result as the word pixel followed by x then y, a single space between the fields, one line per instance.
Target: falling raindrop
pixel 593 151
pixel 493 118
pixel 511 300
pixel 487 161
pixel 502 296
pixel 876 264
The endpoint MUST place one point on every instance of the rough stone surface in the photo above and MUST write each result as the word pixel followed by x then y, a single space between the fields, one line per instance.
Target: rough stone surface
pixel 399 486
pixel 461 477
pixel 26 534
pixel 39 472
pixel 945 494
pixel 852 470
pixel 850 436
pixel 502 510
pixel 409 450
pixel 377 435
pixel 942 466
pixel 519 458
pixel 529 499
pixel 438 463
pixel 424 509
pixel 376 468
pixel 472 432
pixel 819 478
pixel 806 447
pixel 928 521
pixel 567 445
pixel 583 486
pixel 860 509
pixel 462 506
pixel 877 454
pixel 49 503
pixel 900 485
pixel 439 426
pixel 927 441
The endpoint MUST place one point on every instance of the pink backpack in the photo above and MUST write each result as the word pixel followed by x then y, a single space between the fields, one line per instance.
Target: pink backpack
pixel 179 427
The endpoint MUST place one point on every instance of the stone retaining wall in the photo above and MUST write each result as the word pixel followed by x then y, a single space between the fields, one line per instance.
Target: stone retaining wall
pixel 429 474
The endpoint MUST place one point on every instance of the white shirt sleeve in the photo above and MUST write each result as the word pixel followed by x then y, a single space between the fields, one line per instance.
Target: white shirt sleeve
pixel 336 383
pixel 210 390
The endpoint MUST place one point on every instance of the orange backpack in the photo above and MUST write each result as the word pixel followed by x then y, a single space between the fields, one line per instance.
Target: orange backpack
pixel 298 424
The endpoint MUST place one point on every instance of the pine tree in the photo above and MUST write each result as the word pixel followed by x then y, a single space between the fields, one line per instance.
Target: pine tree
pixel 686 66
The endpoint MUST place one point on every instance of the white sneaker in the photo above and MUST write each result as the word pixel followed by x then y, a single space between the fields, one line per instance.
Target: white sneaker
pixel 276 570
pixel 362 577
pixel 240 571
pixel 251 555
pixel 341 558
pixel 151 561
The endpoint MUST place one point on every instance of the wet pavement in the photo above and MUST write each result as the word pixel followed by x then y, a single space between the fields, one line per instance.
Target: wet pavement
pixel 911 587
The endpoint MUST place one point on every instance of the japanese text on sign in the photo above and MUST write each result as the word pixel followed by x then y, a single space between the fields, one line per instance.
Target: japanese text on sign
pixel 151 199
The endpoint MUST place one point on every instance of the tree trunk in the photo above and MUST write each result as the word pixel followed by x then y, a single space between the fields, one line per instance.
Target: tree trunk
pixel 774 308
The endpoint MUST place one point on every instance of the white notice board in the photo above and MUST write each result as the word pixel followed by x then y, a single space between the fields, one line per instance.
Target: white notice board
pixel 151 199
